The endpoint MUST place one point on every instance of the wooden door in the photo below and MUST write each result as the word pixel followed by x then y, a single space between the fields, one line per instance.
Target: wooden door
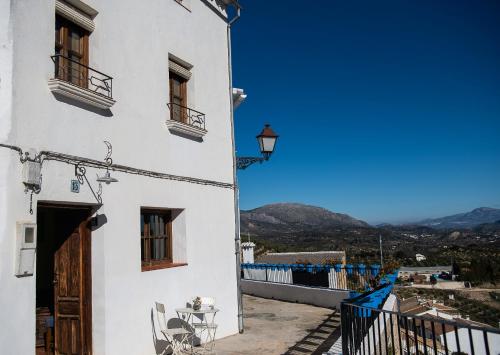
pixel 72 294
pixel 178 97
pixel 72 42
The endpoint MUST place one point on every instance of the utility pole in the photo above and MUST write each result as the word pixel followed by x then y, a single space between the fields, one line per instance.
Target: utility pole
pixel 381 257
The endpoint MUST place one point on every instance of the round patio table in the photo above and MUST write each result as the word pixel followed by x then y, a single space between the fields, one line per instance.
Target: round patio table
pixel 188 314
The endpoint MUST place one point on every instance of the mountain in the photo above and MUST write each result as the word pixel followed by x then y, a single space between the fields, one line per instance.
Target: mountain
pixel 293 217
pixel 470 219
pixel 488 228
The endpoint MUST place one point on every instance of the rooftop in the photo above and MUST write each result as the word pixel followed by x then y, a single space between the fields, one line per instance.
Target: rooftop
pixel 276 327
pixel 317 257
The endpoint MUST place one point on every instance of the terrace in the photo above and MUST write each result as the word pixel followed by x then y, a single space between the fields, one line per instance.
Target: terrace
pixel 317 309
pixel 277 327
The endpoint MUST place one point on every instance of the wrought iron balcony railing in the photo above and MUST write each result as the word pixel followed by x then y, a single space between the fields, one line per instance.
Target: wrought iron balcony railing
pixel 74 72
pixel 367 330
pixel 186 115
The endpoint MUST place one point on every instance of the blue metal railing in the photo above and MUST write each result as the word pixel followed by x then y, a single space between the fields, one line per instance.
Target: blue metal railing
pixel 357 277
pixel 368 329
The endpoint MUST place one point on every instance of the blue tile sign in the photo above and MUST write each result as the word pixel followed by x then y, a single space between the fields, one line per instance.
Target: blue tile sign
pixel 75 186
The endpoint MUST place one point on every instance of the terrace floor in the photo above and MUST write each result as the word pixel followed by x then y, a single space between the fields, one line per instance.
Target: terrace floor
pixel 276 327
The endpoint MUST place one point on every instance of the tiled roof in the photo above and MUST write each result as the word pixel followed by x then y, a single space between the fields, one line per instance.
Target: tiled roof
pixel 417 310
pixel 318 257
pixel 408 304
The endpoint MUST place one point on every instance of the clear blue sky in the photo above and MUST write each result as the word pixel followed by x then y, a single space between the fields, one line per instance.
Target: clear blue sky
pixel 387 110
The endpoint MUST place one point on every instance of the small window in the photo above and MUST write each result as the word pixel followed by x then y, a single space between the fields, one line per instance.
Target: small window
pixel 71 49
pixel 156 238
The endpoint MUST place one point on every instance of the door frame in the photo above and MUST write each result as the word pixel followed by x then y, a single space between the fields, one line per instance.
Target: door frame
pixel 86 268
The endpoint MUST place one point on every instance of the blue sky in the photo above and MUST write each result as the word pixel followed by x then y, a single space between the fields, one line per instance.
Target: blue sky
pixel 387 110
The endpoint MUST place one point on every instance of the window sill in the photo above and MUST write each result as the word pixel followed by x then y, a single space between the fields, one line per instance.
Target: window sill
pixel 183 128
pixel 164 265
pixel 80 94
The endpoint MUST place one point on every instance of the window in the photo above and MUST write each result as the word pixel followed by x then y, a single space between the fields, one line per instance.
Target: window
pixel 156 238
pixel 178 97
pixel 72 54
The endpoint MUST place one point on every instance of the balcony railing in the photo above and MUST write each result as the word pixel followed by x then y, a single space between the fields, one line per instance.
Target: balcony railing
pixel 367 330
pixel 83 76
pixel 186 115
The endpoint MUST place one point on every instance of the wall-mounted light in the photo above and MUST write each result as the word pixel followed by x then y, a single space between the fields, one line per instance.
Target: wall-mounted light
pixel 267 142
pixel 80 173
pixel 106 178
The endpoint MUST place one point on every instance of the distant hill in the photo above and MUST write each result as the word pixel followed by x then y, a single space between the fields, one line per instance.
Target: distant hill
pixel 293 217
pixel 470 219
pixel 287 227
pixel 488 227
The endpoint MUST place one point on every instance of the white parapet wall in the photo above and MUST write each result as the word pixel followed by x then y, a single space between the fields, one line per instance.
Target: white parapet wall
pixel 316 296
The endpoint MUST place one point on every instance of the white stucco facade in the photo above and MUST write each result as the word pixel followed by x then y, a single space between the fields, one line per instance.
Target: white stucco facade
pixel 131 42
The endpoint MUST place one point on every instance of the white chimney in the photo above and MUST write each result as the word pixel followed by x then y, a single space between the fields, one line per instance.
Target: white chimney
pixel 247 249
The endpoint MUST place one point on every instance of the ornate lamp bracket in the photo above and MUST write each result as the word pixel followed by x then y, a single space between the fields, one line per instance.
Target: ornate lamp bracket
pixel 80 173
pixel 244 162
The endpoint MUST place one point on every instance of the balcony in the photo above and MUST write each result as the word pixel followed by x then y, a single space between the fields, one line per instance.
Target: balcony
pixel 81 83
pixel 186 121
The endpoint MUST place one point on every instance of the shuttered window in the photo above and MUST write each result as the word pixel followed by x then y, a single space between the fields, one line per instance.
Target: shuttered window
pixel 156 238
pixel 178 97
pixel 71 42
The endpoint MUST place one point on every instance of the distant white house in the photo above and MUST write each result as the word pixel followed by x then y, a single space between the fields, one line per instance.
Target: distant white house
pixel 406 271
pixel 420 257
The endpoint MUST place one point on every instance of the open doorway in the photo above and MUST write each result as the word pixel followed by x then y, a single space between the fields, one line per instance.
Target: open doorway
pixel 63 280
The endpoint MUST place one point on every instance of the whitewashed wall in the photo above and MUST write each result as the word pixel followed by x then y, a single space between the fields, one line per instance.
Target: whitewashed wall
pixel 131 43
pixel 478 342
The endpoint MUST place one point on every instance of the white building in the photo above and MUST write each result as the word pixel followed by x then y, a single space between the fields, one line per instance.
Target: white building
pixel 420 257
pixel 165 231
pixel 247 251
pixel 405 272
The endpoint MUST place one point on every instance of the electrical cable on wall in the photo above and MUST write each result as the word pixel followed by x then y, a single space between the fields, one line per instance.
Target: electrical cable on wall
pixel 76 160
pixel 81 162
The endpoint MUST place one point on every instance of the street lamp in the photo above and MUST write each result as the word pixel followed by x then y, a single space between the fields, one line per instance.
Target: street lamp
pixel 267 141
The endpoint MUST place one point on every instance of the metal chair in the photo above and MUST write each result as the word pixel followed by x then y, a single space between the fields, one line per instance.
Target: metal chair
pixel 177 337
pixel 206 327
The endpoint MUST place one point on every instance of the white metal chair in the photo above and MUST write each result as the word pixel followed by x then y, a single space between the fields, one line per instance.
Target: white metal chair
pixel 206 327
pixel 177 337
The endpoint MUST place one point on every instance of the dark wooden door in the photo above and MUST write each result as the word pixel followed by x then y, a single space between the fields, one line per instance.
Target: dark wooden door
pixel 178 97
pixel 72 294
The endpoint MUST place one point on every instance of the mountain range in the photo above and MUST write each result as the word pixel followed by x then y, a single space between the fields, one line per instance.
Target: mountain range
pixel 297 217
pixel 470 219
pixel 298 227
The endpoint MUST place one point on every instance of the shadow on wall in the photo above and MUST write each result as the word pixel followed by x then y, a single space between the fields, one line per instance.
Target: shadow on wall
pixel 161 346
pixel 186 136
pixel 72 102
